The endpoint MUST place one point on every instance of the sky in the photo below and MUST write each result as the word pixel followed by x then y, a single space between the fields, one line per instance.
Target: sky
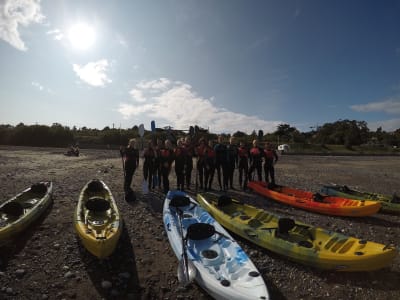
pixel 225 65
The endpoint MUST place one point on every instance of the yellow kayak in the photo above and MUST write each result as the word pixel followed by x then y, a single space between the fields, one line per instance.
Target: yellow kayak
pixel 97 220
pixel 297 241
pixel 19 212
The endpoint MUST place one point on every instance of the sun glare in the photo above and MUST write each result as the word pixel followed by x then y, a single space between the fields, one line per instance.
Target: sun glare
pixel 81 36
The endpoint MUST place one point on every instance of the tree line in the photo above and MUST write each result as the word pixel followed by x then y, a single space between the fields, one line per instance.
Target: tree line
pixel 342 132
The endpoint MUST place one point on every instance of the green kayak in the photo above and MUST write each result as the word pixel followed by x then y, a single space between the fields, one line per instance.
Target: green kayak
pixel 390 203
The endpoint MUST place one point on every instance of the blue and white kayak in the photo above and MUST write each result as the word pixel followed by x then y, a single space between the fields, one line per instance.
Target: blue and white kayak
pixel 222 268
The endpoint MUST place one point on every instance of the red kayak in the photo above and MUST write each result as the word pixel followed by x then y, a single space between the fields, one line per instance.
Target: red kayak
pixel 315 202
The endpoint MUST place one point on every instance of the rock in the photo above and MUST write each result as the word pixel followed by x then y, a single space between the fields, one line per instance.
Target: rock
pixel 69 274
pixel 9 291
pixel 106 284
pixel 20 273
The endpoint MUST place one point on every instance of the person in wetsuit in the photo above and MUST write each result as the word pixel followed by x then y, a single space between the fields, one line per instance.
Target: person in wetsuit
pixel 221 162
pixel 149 155
pixel 166 160
pixel 130 156
pixel 201 161
pixel 209 165
pixel 157 165
pixel 232 161
pixel 190 149
pixel 180 161
pixel 270 157
pixel 243 162
pixel 256 156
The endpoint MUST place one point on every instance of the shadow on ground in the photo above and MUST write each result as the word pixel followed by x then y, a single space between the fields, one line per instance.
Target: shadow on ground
pixel 119 269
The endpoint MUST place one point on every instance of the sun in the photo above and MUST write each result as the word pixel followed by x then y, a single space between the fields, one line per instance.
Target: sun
pixel 81 36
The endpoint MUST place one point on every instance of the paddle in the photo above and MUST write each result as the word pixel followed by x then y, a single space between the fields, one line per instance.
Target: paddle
pixel 186 270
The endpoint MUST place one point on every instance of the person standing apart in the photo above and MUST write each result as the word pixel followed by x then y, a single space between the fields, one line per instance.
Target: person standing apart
pixel 148 164
pixel 166 160
pixel 243 158
pixel 256 155
pixel 180 160
pixel 221 162
pixel 209 165
pixel 232 161
pixel 130 156
pixel 271 157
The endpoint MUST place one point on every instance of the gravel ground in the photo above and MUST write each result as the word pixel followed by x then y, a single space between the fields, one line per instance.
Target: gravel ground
pixel 48 262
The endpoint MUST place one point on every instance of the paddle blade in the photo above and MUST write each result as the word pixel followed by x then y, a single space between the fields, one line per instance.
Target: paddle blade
pixel 186 275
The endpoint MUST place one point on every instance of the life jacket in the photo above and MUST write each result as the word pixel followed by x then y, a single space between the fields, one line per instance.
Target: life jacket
pixel 269 153
pixel 256 152
pixel 210 152
pixel 166 155
pixel 242 152
pixel 201 151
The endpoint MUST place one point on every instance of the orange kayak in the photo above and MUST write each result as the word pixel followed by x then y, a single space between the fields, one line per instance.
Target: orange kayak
pixel 315 202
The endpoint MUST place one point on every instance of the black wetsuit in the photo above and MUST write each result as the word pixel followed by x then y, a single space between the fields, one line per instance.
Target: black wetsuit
pixel 166 159
pixel 270 157
pixel 221 161
pixel 256 155
pixel 232 161
pixel 201 163
pixel 131 162
pixel 209 167
pixel 243 157
pixel 180 160
pixel 148 166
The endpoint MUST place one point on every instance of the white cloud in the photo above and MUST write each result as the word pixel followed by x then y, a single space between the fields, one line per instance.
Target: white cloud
pixel 176 104
pixel 387 125
pixel 137 95
pixel 37 85
pixel 41 88
pixel 390 106
pixel 56 33
pixel 14 13
pixel 93 73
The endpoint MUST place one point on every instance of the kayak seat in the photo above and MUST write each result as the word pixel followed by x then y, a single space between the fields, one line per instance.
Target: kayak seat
pixel 39 188
pixel 200 231
pixel 97 205
pixel 317 197
pixel 13 209
pixel 284 226
pixel 179 201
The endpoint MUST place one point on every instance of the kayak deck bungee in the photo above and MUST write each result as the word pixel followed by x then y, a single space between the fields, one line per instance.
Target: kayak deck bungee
pixel 299 242
pixel 19 212
pixel 222 267
pixel 315 202
pixel 390 203
pixel 97 219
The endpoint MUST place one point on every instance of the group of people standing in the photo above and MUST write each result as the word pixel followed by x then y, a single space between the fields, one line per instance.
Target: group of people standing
pixel 222 157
